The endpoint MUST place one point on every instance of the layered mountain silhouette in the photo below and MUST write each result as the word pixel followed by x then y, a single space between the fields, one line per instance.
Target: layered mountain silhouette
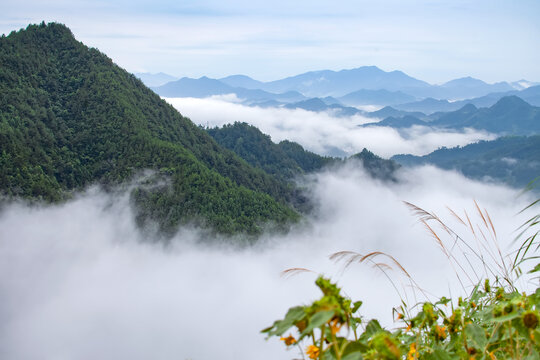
pixel 510 115
pixel 206 87
pixel 367 85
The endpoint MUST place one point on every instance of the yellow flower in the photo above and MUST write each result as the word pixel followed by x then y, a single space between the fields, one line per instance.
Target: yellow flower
pixel 335 326
pixel 289 340
pixel 312 351
pixel 440 332
pixel 412 352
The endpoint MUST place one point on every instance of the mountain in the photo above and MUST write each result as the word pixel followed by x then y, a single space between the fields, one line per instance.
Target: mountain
pixel 285 160
pixel 430 105
pixel 188 87
pixel 69 118
pixel 530 95
pixel 317 105
pixel 376 97
pixel 155 79
pixel 205 87
pixel 510 115
pixel 427 106
pixel 512 160
pixel 468 87
pixel 399 122
pixel 389 111
pixel 339 83
pixel 242 81
pixel 376 166
pixel 523 84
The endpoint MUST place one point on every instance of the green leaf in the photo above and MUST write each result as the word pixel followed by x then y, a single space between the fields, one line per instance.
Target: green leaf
pixel 357 355
pixel 357 304
pixel 295 314
pixel 508 317
pixel 438 354
pixel 353 348
pixel 477 334
pixel 373 327
pixel 536 268
pixel 281 326
pixel 320 318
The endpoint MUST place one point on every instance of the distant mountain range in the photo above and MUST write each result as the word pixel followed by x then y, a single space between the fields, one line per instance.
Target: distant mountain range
pixel 158 79
pixel 205 87
pixel 367 85
pixel 431 105
pixel 509 115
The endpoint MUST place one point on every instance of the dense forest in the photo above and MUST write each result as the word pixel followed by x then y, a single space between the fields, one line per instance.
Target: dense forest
pixel 69 118
pixel 284 160
pixel 513 160
pixel 287 160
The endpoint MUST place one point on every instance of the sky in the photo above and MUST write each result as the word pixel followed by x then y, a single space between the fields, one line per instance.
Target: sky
pixel 435 41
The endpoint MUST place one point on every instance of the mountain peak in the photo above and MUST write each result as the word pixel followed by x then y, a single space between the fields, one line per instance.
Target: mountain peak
pixel 464 81
pixel 512 101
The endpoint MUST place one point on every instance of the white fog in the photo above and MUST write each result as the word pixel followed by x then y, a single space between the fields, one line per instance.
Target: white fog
pixel 79 281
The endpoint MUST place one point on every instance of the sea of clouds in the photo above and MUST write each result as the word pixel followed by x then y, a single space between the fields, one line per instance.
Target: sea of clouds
pixel 322 132
pixel 80 281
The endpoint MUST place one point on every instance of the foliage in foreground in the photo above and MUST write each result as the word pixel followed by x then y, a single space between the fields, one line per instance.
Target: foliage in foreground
pixel 492 322
pixel 489 324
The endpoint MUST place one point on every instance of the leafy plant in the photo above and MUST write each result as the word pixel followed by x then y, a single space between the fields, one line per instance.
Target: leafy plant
pixel 493 322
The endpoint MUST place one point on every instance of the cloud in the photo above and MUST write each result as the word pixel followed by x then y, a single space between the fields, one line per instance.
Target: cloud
pixel 79 281
pixel 323 133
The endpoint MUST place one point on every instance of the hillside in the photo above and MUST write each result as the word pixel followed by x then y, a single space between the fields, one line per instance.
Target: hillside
pixel 287 159
pixel 69 117
pixel 513 160
pixel 284 160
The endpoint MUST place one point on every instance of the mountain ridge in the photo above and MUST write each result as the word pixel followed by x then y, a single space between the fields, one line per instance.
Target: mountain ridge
pixel 69 118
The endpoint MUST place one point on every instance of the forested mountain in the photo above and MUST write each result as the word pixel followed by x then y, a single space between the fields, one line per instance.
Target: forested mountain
pixel 69 117
pixel 284 160
pixel 287 159
pixel 377 167
pixel 514 160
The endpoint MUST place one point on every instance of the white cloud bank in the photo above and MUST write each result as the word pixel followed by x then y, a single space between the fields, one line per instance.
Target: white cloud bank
pixel 321 132
pixel 78 281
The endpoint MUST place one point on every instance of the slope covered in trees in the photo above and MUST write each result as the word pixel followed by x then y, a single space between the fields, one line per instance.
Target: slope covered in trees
pixel 284 160
pixel 70 117
pixel 513 160
pixel 288 159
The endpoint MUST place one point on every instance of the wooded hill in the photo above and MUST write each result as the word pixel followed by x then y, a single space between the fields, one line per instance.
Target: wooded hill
pixel 69 117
